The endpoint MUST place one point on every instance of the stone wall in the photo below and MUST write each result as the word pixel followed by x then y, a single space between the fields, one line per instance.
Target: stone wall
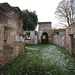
pixel 44 25
pixel 71 35
pixel 33 37
pixel 66 39
pixel 36 36
pixel 1 37
pixel 59 39
pixel 11 45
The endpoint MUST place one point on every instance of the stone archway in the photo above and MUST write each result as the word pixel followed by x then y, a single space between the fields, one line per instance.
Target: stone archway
pixel 44 37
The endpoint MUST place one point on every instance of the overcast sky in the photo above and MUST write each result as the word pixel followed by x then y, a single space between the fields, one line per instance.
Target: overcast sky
pixel 44 8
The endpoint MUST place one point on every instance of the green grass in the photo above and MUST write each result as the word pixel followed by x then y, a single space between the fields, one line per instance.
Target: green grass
pixel 42 59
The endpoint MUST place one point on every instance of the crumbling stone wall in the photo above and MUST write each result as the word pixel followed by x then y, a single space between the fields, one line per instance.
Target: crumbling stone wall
pixel 59 39
pixel 1 37
pixel 71 35
pixel 67 40
pixel 10 31
pixel 33 37
pixel 36 36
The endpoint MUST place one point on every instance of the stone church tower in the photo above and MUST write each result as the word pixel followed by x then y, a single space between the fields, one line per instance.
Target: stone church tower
pixel 44 32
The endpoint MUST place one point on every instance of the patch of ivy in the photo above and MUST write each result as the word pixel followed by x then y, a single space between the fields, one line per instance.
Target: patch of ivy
pixel 6 28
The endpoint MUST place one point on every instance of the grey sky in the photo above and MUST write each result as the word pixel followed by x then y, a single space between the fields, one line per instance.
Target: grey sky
pixel 44 8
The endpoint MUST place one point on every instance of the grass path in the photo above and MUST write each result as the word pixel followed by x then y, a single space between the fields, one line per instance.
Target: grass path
pixel 42 59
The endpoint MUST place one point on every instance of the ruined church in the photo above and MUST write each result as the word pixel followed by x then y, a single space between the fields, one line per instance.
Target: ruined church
pixel 12 38
pixel 43 35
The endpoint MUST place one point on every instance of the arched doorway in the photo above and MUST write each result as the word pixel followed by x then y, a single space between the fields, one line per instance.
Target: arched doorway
pixel 44 38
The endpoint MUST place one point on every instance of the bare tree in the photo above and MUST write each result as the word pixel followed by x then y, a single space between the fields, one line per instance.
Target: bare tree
pixel 66 12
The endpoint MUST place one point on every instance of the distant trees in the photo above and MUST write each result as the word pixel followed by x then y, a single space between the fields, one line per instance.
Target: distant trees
pixel 56 31
pixel 29 20
pixel 66 12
